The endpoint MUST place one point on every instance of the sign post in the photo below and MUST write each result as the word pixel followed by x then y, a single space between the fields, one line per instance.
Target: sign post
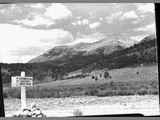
pixel 23 93
pixel 23 82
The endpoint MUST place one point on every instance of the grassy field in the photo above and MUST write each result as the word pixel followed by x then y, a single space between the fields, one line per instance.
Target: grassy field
pixel 124 81
pixel 146 73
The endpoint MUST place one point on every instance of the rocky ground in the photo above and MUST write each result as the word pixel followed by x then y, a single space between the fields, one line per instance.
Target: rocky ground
pixel 147 105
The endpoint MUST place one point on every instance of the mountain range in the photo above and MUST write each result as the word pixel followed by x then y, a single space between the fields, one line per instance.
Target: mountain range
pixel 60 53
pixel 85 56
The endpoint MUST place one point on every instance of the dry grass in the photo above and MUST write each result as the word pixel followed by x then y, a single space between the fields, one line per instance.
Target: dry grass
pixel 146 73
pixel 124 81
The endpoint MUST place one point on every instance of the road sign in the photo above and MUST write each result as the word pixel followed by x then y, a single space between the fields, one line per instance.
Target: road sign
pixel 23 82
pixel 18 81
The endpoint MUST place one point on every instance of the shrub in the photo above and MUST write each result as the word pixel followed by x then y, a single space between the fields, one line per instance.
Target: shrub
pixel 77 113
pixel 33 112
pixel 142 91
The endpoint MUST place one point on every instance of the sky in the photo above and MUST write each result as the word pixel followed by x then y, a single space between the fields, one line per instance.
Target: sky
pixel 28 30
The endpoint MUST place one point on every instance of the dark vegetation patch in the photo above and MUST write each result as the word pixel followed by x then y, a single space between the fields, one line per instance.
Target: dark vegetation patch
pixel 107 89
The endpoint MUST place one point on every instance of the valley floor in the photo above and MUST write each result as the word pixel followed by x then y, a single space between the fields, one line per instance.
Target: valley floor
pixel 128 74
pixel 91 105
pixel 124 81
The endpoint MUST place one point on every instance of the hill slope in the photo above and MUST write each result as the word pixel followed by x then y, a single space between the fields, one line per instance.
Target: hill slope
pixel 144 52
pixel 62 53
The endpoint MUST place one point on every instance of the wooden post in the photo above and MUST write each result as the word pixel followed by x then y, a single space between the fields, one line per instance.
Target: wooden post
pixel 23 93
pixel 23 82
pixel 2 113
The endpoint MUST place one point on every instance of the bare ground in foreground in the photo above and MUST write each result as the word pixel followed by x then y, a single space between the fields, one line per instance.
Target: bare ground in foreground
pixel 147 105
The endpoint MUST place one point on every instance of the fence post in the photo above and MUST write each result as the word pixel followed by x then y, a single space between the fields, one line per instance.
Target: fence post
pixel 23 93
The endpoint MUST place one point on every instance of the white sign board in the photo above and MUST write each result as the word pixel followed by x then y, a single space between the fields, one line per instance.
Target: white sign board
pixel 23 82
pixel 18 81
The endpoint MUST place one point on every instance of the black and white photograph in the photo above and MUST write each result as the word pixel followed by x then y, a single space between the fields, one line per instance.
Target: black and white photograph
pixel 78 59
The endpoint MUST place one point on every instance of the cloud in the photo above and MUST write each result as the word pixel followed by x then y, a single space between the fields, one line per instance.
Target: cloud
pixel 27 51
pixel 35 14
pixel 11 12
pixel 114 16
pixel 79 22
pixel 35 21
pixel 58 11
pixel 94 25
pixel 37 5
pixel 137 38
pixel 78 17
pixel 129 15
pixel 148 28
pixel 85 21
pixel 145 8
pixel 59 38
pixel 16 38
pixel 74 23
pixel 88 38
pixel 101 18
